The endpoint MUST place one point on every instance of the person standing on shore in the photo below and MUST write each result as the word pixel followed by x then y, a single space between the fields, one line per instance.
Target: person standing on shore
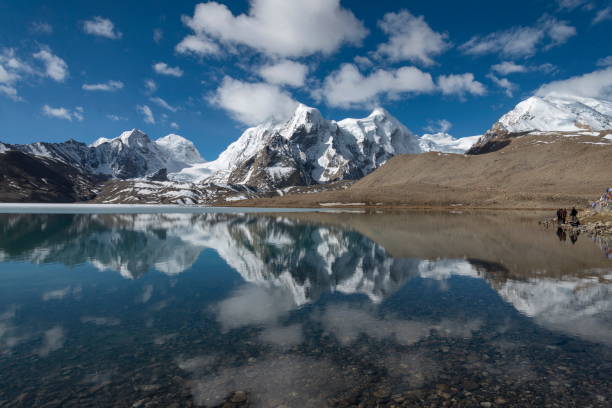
pixel 574 215
pixel 563 216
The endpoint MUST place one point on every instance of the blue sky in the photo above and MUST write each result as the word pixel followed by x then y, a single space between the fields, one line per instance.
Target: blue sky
pixel 85 69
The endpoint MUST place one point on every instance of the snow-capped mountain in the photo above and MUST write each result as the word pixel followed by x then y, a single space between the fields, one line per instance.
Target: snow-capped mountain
pixel 445 143
pixel 131 155
pixel 307 149
pixel 550 113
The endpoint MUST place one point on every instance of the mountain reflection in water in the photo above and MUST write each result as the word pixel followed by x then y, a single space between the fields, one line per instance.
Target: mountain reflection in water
pixel 303 309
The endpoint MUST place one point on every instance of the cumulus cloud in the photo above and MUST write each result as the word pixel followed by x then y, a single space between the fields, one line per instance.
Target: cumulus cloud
pixel 63 113
pixel 109 86
pixel 460 84
pixel 603 15
pixel 147 113
pixel 55 67
pixel 284 73
pixel 521 41
pixel 278 27
pixel 101 27
pixel 164 69
pixel 508 67
pixel 503 83
pixel 596 84
pixel 163 104
pixel 12 70
pixel 410 39
pixel 348 87
pixel 197 45
pixel 253 103
pixel 174 125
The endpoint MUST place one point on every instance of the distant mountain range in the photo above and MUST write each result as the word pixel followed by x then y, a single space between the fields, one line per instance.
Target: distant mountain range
pixel 273 158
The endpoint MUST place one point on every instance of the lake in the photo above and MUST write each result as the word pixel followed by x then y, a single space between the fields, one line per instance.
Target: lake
pixel 301 309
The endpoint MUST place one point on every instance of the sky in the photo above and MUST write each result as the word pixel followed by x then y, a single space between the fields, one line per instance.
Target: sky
pixel 83 70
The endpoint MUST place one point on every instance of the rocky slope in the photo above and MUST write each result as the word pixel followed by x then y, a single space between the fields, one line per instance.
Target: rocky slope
pixel 29 178
pixel 563 114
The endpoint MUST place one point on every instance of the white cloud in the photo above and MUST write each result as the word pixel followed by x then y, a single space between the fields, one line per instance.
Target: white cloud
pixel 198 45
pixel 109 86
pixel 348 87
pixel 603 15
pixel 596 84
pixel 158 35
pixel 12 70
pixel 253 103
pixel 503 83
pixel 570 4
pixel 162 103
pixel 40 27
pixel 602 62
pixel 102 27
pixel 508 67
pixel 150 85
pixel 147 113
pixel 164 69
pixel 521 41
pixel 558 32
pixel 9 91
pixel 279 27
pixel 460 84
pixel 63 113
pixel 284 73
pixel 411 39
pixel 115 117
pixel 439 126
pixel 55 67
pixel 174 125
pixel 363 62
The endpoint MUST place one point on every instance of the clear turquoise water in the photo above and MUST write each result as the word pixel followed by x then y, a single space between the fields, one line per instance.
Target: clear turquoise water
pixel 301 310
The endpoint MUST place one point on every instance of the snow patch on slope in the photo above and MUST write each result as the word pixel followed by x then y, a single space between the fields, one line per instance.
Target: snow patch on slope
pixel 445 143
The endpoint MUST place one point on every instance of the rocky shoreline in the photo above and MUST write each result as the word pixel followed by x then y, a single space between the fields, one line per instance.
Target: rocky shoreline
pixel 595 224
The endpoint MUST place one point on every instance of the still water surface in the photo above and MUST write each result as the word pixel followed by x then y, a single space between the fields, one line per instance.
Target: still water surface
pixel 301 310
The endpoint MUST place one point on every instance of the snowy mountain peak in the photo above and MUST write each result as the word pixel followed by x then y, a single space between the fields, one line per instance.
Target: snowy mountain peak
pixel 379 113
pixel 180 149
pixel 558 113
pixel 133 137
pixel 303 117
pixel 306 150
pixel 100 141
pixel 549 113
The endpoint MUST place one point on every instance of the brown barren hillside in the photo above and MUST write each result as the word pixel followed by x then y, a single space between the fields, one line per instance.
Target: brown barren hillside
pixel 534 171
